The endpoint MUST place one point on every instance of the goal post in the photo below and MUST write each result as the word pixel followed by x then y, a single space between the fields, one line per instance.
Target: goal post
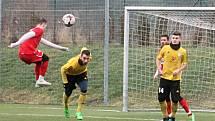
pixel 142 28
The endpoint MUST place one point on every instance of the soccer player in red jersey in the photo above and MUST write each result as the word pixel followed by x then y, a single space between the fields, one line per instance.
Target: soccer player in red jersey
pixel 28 52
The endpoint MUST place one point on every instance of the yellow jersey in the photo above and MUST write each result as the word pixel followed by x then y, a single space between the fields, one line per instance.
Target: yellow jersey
pixel 173 59
pixel 72 67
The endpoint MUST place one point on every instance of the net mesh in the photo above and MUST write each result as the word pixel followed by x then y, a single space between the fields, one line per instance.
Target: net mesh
pixel 198 31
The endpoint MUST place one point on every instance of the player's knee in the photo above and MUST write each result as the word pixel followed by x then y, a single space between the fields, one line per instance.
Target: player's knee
pixel 161 98
pixel 167 99
pixel 45 58
pixel 175 99
pixel 180 98
pixel 68 93
pixel 68 90
pixel 83 87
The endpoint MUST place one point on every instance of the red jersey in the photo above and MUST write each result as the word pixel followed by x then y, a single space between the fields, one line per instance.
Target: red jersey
pixel 30 45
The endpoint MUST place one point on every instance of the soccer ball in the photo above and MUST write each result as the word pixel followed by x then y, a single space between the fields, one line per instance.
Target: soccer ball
pixel 68 20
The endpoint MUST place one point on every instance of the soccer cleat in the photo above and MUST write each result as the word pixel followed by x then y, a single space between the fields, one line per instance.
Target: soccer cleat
pixel 36 85
pixel 67 113
pixel 41 82
pixel 191 117
pixel 79 116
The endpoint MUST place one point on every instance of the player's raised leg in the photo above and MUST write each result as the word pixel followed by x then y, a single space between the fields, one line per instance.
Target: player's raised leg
pixel 41 69
pixel 37 70
pixel 28 52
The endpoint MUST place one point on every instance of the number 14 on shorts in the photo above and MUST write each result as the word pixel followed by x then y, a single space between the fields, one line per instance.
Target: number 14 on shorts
pixel 160 90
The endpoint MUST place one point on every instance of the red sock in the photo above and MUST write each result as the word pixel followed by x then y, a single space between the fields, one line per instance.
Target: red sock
pixel 37 71
pixel 169 107
pixel 43 68
pixel 184 104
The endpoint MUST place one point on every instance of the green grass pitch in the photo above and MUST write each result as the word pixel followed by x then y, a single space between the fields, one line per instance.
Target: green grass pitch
pixel 20 112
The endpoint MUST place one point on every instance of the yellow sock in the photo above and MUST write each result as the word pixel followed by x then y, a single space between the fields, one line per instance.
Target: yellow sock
pixel 65 101
pixel 163 109
pixel 174 109
pixel 81 101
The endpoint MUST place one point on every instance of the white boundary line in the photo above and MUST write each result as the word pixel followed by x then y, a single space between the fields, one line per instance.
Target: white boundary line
pixel 96 117
pixel 98 110
pixel 108 110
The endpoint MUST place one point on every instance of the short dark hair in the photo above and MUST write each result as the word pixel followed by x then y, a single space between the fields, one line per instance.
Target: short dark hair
pixel 86 52
pixel 176 33
pixel 42 20
pixel 165 35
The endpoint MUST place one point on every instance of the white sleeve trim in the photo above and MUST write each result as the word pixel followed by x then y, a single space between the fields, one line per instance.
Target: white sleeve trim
pixel 25 37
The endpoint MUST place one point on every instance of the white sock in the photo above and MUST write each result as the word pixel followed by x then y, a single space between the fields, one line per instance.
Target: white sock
pixel 41 77
pixel 189 113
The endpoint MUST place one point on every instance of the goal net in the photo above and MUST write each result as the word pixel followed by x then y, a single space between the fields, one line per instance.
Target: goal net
pixel 142 28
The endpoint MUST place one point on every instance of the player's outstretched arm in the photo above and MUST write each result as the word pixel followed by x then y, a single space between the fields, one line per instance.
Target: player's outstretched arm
pixel 23 39
pixel 50 44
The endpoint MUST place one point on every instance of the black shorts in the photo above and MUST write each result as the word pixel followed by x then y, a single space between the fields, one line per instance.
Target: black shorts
pixel 169 86
pixel 81 80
